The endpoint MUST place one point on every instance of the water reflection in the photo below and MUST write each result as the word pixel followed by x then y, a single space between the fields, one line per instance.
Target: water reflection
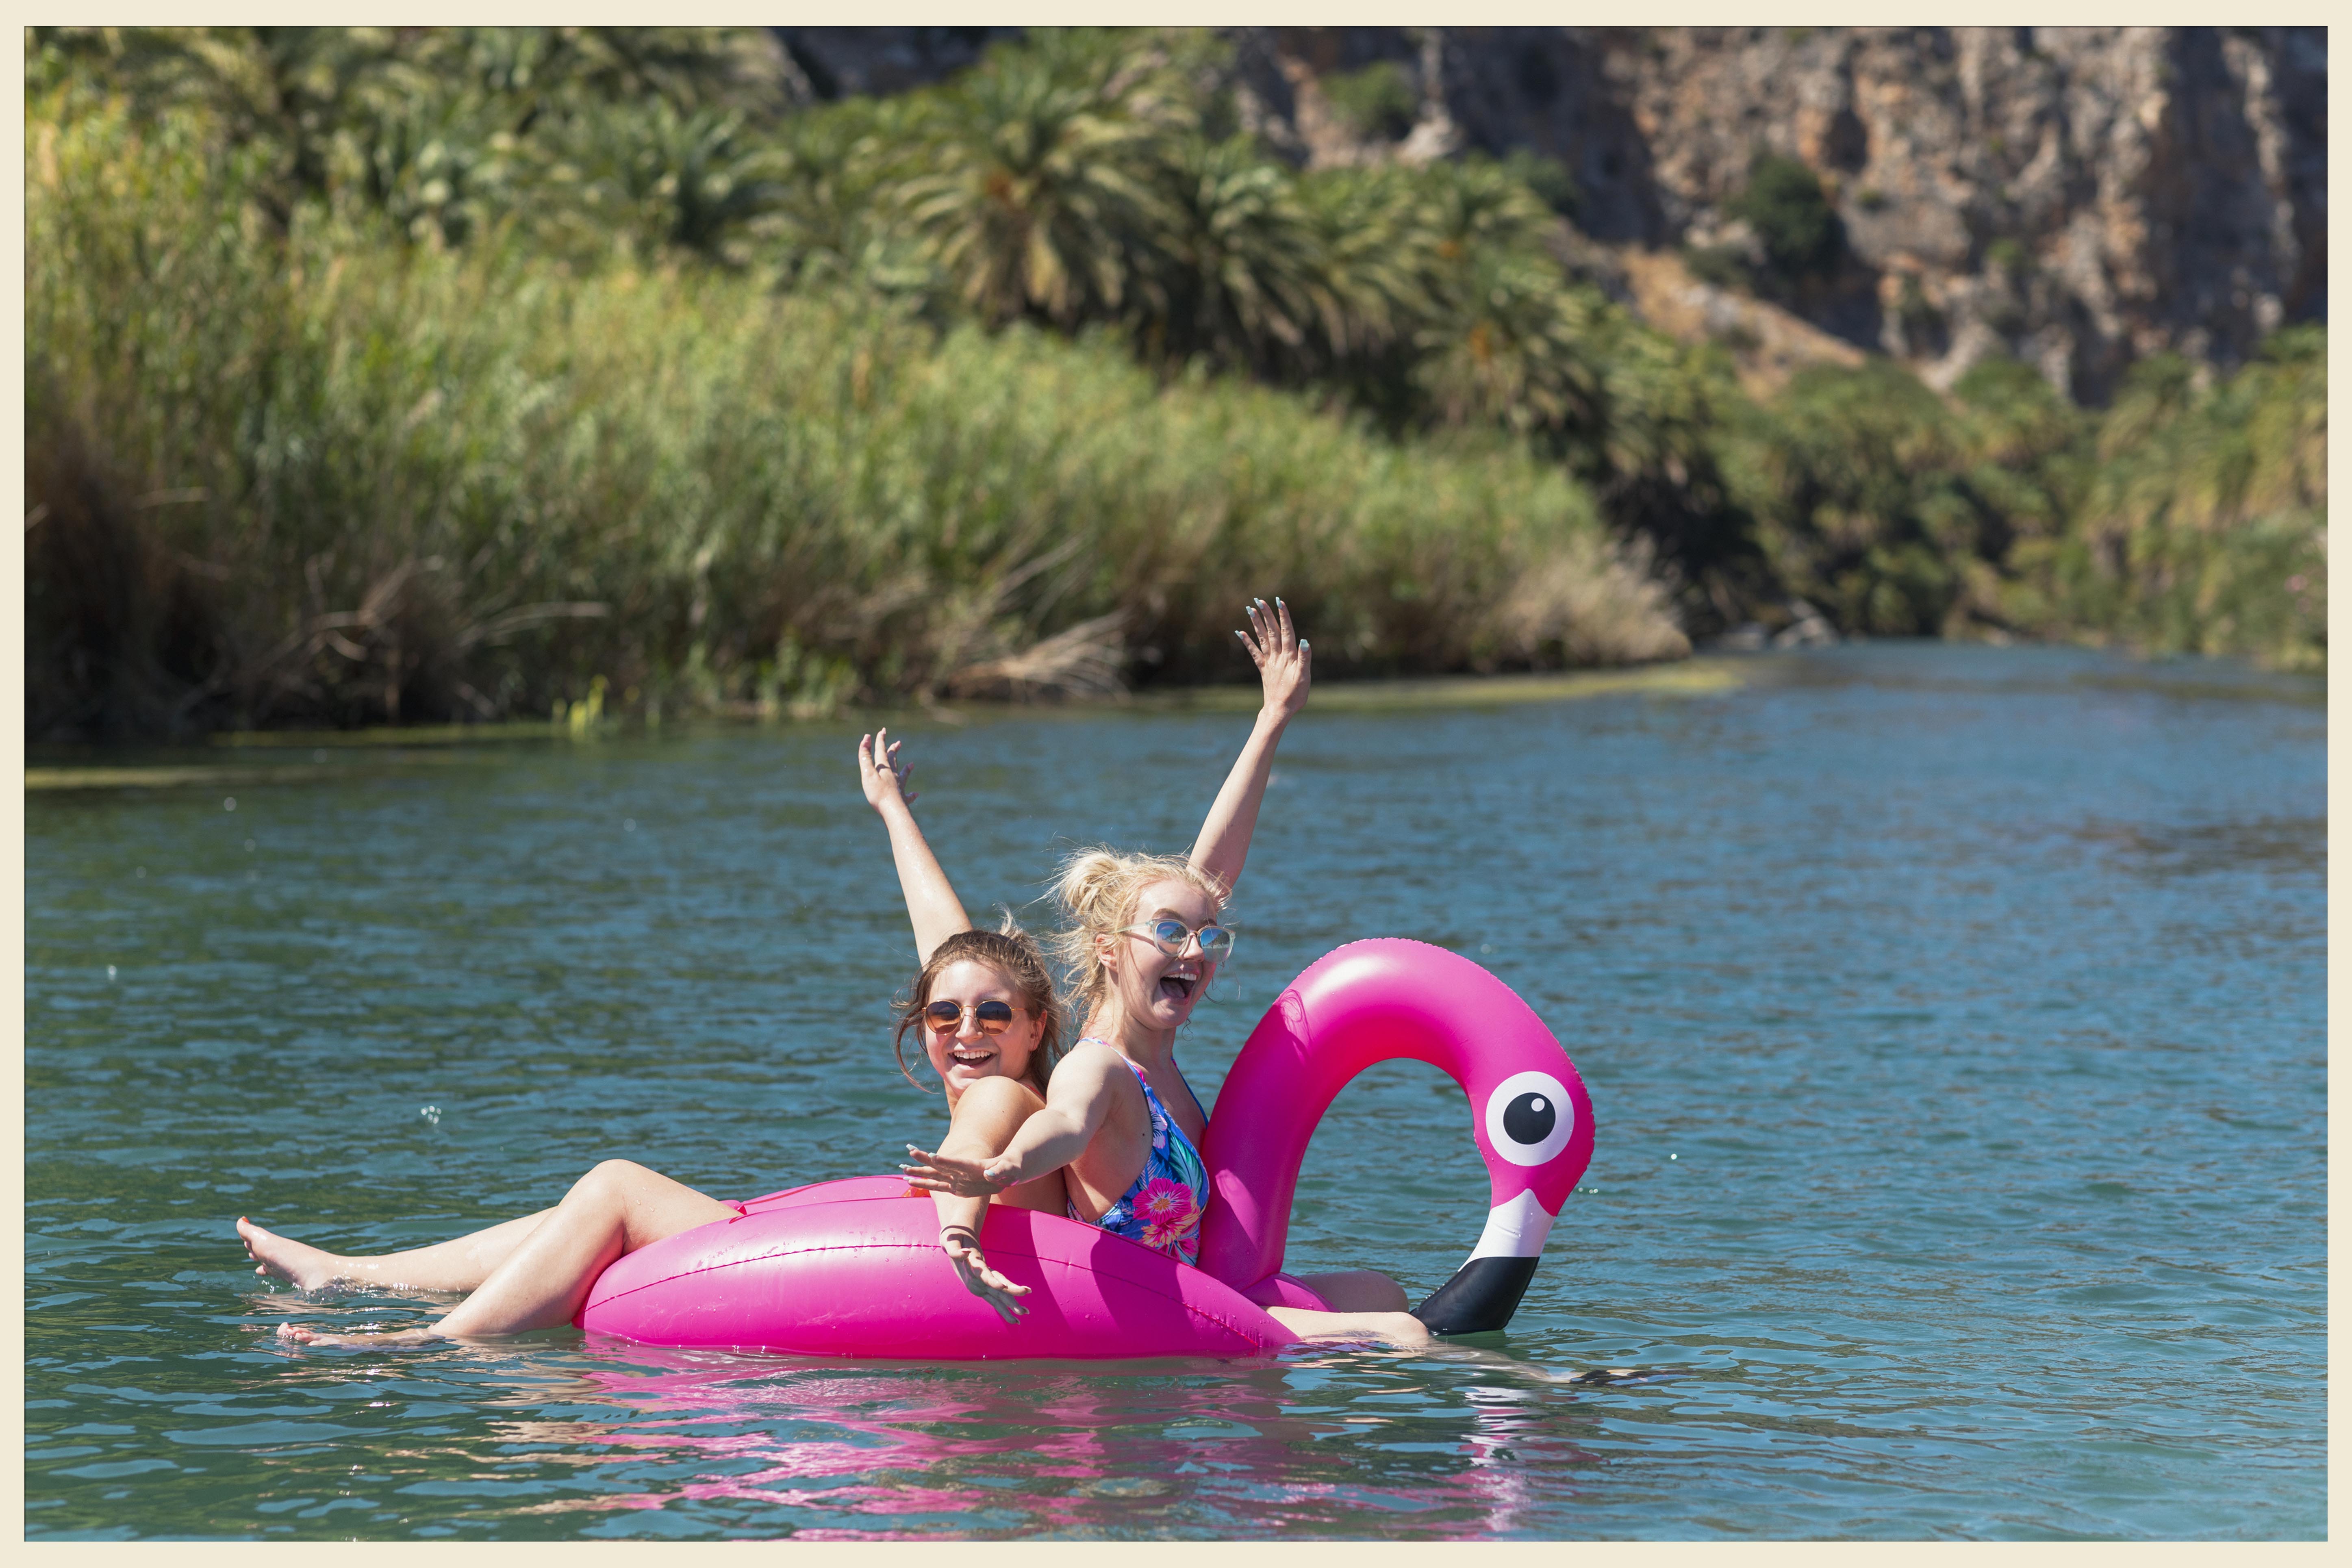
pixel 1347 1441
pixel 2295 843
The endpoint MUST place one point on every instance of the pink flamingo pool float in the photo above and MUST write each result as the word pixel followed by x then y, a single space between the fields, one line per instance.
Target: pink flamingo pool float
pixel 853 1268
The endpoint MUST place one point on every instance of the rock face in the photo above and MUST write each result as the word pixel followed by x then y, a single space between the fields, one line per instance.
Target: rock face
pixel 840 61
pixel 2078 197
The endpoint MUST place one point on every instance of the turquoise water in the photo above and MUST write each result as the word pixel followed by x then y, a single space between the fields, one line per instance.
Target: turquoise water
pixel 1953 1019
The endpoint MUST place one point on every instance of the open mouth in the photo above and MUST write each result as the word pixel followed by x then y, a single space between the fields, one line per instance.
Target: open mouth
pixel 1178 986
pixel 964 1057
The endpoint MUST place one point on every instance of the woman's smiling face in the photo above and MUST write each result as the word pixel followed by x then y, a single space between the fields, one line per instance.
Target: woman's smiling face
pixel 1156 990
pixel 966 1054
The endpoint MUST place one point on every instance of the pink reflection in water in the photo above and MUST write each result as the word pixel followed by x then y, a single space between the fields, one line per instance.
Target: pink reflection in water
pixel 1043 1450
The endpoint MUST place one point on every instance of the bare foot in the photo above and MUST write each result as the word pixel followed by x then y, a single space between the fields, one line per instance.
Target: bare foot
pixel 304 1268
pixel 296 1335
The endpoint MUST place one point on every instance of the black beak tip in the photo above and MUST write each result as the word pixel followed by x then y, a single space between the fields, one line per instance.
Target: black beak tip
pixel 1480 1298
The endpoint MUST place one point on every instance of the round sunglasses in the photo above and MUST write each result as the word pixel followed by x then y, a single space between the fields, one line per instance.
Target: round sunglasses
pixel 1168 934
pixel 946 1017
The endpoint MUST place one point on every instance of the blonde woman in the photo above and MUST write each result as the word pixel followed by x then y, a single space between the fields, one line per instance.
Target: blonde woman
pixel 1119 1123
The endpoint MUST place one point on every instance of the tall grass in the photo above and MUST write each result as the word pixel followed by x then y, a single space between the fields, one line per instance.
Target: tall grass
pixel 317 477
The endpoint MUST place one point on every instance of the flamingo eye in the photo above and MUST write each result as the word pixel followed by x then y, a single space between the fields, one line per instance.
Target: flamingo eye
pixel 1529 1118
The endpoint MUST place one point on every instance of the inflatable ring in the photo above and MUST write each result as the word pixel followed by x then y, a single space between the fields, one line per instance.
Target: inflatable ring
pixel 853 1268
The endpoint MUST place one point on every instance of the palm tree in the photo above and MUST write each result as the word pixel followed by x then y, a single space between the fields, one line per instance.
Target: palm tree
pixel 1858 483
pixel 1365 227
pixel 2174 457
pixel 1477 204
pixel 285 89
pixel 1653 459
pixel 1038 198
pixel 1244 279
pixel 435 155
pixel 1508 347
pixel 687 67
pixel 656 174
pixel 833 221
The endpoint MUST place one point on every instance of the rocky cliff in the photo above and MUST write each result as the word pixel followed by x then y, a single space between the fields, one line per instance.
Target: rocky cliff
pixel 2077 197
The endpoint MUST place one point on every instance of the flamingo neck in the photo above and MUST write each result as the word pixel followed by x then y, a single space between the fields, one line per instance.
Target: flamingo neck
pixel 1277 1089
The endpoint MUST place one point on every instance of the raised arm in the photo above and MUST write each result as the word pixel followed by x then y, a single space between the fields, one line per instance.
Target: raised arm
pixel 931 904
pixel 1286 665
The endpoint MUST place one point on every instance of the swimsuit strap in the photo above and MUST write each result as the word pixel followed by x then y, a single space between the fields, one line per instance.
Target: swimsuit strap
pixel 1201 1105
pixel 1158 1107
pixel 1150 1096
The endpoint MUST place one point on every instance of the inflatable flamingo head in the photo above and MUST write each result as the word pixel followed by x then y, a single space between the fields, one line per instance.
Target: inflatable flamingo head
pixel 1364 1003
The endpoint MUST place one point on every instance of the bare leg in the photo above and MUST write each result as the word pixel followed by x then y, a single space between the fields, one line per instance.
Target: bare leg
pixel 614 1209
pixel 1396 1328
pixel 459 1264
pixel 1356 1291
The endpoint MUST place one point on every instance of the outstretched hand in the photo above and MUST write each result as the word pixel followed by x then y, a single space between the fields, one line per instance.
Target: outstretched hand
pixel 972 1268
pixel 878 771
pixel 963 1250
pixel 1284 661
pixel 958 1177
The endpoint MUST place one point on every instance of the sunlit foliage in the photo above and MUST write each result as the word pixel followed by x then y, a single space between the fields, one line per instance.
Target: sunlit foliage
pixel 324 476
pixel 453 328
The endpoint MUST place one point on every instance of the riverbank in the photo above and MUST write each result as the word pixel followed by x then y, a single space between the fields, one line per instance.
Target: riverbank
pixel 269 757
pixel 57 767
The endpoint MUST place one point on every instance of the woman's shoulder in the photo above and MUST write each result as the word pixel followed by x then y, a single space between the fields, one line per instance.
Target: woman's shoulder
pixel 1094 1061
pixel 1092 1050
pixel 1016 1092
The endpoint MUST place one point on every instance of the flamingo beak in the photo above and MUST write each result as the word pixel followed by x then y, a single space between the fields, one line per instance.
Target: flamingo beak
pixel 1485 1291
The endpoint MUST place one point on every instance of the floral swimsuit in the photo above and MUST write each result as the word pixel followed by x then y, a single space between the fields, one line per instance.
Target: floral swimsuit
pixel 1162 1209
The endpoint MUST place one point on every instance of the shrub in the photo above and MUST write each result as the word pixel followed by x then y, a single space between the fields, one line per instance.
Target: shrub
pixel 1793 220
pixel 1547 177
pixel 1377 101
pixel 2007 254
pixel 1718 266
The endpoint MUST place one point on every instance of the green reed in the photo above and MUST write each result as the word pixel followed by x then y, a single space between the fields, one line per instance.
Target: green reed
pixel 318 476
